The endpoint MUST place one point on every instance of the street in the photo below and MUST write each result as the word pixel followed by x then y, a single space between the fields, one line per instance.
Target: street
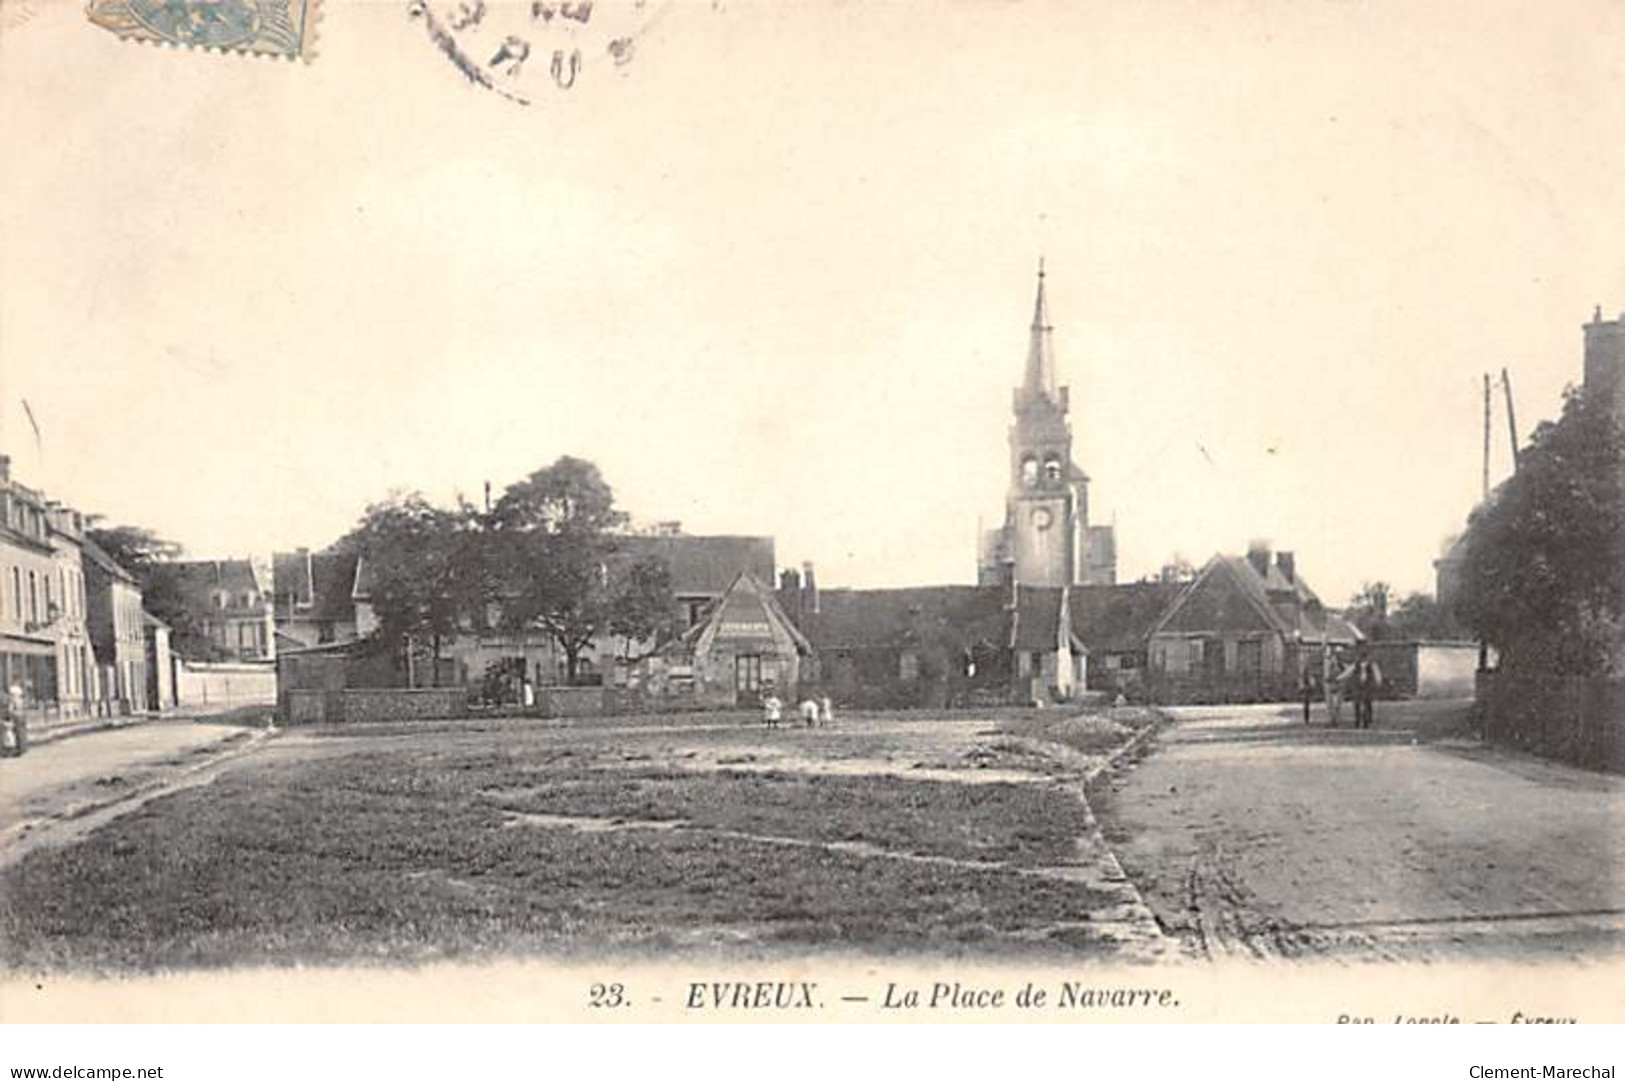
pixel 1250 834
pixel 47 795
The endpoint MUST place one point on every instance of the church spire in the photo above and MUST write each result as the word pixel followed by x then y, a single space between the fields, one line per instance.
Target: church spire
pixel 1040 377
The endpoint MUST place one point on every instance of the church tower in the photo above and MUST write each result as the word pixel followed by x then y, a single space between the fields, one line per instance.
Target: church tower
pixel 1046 539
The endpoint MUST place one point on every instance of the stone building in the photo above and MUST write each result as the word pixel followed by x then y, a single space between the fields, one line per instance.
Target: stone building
pixel 316 599
pixel 229 604
pixel 78 692
pixel 1240 632
pixel 118 632
pixel 29 603
pixel 744 648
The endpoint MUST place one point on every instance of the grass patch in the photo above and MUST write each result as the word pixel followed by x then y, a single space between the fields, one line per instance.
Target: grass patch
pixel 395 852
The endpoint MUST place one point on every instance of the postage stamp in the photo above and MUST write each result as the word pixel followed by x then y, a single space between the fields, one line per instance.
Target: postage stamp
pixel 277 28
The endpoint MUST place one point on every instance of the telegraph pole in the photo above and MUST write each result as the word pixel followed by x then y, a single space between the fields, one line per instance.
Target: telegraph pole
pixel 1512 420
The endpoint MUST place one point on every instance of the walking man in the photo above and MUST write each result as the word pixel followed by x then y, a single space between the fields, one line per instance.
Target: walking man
pixel 1306 687
pixel 1365 678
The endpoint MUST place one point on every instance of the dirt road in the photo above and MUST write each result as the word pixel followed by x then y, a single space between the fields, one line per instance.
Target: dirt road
pixel 61 790
pixel 1252 835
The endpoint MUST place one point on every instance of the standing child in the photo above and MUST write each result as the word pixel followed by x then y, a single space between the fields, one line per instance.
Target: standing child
pixel 771 709
pixel 826 711
pixel 809 711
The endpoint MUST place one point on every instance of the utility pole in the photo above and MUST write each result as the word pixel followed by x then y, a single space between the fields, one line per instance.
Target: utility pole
pixel 1512 420
pixel 1484 493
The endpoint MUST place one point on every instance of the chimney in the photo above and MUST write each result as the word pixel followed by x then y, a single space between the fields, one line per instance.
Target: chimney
pixel 790 598
pixel 5 468
pixel 809 589
pixel 1288 564
pixel 1258 554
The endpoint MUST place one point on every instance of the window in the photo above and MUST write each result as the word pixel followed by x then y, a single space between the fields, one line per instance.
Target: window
pixel 1181 655
pixel 1029 471
pixel 908 666
pixel 16 594
pixel 1052 469
pixel 33 597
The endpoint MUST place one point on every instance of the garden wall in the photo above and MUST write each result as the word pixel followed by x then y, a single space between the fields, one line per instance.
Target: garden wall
pixel 218 688
pixel 370 706
pixel 1573 720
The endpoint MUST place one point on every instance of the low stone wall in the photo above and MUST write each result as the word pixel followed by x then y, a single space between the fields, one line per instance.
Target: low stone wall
pixel 1578 721
pixel 573 701
pixel 372 706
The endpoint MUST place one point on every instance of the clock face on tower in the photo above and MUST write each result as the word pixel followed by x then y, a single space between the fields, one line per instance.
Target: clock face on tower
pixel 1042 518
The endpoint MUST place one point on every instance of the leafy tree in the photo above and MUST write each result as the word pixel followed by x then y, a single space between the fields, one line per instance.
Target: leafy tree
pixel 1544 576
pixel 1419 616
pixel 149 559
pixel 552 545
pixel 641 609
pixel 426 569
pixel 1368 610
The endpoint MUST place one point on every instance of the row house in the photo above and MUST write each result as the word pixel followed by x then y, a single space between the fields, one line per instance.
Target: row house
pixel 72 637
pixel 29 603
pixel 118 630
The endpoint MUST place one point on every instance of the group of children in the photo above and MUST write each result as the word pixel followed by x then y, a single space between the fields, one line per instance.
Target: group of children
pixel 812 711
pixel 1361 681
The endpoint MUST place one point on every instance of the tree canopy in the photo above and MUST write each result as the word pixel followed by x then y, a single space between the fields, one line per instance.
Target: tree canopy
pixel 548 555
pixel 426 567
pixel 1543 580
pixel 149 559
pixel 558 565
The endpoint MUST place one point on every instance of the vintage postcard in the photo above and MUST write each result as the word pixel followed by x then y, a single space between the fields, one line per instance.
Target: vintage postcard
pixel 710 512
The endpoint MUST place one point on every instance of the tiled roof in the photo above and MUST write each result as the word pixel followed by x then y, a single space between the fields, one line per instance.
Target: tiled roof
pixel 1119 618
pixel 704 565
pixel 198 580
pixel 1037 618
pixel 315 585
pixel 886 618
pixel 1289 608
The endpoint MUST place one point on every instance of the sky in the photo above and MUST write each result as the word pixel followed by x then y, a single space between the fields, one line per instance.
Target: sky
pixel 775 275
